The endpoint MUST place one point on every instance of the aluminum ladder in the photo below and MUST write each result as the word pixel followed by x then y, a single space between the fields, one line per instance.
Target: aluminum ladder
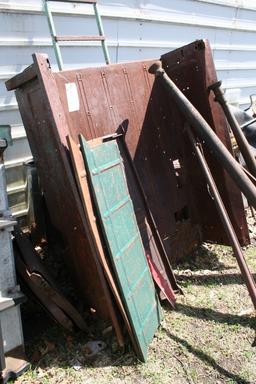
pixel 56 39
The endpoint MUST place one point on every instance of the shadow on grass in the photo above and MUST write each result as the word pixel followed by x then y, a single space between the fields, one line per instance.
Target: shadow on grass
pixel 217 317
pixel 204 258
pixel 206 358
pixel 216 279
pixel 66 354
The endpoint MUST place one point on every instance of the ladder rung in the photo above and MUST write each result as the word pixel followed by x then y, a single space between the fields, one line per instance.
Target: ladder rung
pixel 76 1
pixel 79 38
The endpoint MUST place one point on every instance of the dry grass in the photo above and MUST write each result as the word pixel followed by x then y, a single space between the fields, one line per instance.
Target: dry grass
pixel 207 339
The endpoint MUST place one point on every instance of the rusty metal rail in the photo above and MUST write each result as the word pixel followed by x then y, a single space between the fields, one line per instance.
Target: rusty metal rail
pixel 248 278
pixel 204 131
pixel 241 140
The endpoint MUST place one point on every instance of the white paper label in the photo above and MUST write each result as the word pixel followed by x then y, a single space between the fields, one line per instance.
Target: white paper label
pixel 72 97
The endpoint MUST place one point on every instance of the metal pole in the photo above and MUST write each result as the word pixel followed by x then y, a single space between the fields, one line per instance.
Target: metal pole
pixel 204 131
pixel 101 33
pixel 245 125
pixel 243 144
pixel 249 281
pixel 53 35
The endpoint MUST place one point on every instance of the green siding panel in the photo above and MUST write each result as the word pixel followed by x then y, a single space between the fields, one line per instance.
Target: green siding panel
pixel 105 169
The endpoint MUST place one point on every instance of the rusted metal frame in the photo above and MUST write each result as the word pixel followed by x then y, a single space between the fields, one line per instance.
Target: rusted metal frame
pixel 101 298
pixel 248 278
pixel 141 137
pixel 204 131
pixel 179 238
pixel 241 140
pixel 151 220
pixel 59 118
pixel 232 198
pixel 192 69
pixel 77 121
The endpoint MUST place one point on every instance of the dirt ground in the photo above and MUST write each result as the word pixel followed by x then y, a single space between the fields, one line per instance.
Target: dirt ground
pixel 207 339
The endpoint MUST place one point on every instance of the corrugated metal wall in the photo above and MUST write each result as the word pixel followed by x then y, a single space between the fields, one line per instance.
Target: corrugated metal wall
pixel 135 30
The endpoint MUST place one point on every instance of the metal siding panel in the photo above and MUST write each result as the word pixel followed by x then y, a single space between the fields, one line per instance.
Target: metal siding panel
pixel 246 4
pixel 123 239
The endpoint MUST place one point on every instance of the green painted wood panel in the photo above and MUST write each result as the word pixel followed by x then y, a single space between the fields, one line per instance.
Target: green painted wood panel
pixel 105 169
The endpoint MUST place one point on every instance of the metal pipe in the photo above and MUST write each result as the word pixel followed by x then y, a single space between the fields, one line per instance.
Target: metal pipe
pixel 101 33
pixel 249 280
pixel 236 129
pixel 205 132
pixel 55 44
pixel 251 177
pixel 245 125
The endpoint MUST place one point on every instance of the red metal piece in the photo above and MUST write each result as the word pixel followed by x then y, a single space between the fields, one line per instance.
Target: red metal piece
pixel 206 134
pixel 192 70
pixel 161 282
